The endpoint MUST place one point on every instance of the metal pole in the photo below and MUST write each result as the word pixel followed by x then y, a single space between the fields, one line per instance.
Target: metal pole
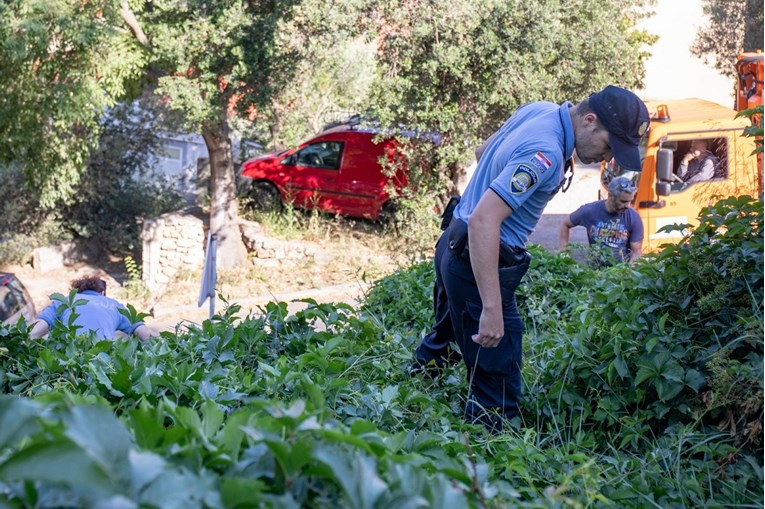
pixel 214 272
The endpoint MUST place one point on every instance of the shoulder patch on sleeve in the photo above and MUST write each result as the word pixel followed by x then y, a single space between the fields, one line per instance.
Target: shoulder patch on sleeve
pixel 541 162
pixel 524 178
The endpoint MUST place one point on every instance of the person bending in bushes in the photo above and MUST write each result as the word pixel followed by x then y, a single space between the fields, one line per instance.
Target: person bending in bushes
pixel 99 313
pixel 480 258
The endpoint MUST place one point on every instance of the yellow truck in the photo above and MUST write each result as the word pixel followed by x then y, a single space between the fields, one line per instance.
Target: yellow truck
pixel 665 195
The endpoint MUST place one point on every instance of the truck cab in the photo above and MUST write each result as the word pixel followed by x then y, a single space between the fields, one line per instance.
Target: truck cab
pixel 663 198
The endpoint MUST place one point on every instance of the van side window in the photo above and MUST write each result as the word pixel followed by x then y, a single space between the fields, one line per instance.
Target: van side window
pixel 325 155
pixel 700 160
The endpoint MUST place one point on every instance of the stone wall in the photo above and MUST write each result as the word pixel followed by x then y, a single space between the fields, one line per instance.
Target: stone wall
pixel 171 243
pixel 268 252
pixel 176 241
pixel 49 258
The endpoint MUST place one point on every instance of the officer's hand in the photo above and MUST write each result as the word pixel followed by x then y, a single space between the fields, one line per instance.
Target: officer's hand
pixel 491 328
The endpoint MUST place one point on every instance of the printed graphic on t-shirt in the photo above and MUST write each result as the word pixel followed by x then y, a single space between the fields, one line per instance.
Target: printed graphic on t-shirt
pixel 610 233
pixel 523 179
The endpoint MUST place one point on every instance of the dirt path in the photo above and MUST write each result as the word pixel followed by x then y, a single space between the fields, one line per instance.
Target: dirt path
pixel 343 272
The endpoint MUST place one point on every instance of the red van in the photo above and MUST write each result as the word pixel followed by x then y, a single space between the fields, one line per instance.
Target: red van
pixel 338 171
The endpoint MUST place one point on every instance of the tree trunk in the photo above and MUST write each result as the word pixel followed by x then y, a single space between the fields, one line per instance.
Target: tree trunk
pixel 224 215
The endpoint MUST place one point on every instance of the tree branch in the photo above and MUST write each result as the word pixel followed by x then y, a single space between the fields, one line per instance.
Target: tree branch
pixel 129 18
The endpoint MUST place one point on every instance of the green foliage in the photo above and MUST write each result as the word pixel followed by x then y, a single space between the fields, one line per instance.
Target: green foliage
pixel 117 191
pixel 402 301
pixel 668 352
pixel 62 63
pixel 638 394
pixel 133 289
pixel 461 68
pixel 732 28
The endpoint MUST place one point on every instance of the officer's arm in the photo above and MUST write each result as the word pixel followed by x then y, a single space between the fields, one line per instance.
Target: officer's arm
pixel 479 151
pixel 483 240
pixel 563 232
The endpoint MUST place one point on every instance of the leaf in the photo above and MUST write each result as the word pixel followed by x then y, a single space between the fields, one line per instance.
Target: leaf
pixel 182 490
pixel 212 418
pixel 621 367
pixel 694 379
pixel 356 474
pixel 59 461
pixel 388 393
pixel 208 391
pixel 236 492
pixel 662 321
pixel 643 374
pixel 145 467
pixel 147 427
pixel 17 419
pixel 105 381
pixel 102 437
pixel 314 392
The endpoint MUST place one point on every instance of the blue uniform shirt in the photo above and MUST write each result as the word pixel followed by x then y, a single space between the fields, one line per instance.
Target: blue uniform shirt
pixel 100 315
pixel 524 165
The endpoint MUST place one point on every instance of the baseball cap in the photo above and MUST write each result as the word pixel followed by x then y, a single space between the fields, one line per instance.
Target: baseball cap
pixel 626 119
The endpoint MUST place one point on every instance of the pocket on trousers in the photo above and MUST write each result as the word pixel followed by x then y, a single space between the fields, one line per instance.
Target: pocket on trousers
pixel 510 277
pixel 495 360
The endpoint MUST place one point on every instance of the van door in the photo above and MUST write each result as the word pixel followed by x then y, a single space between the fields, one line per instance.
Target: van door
pixel 314 177
pixel 362 183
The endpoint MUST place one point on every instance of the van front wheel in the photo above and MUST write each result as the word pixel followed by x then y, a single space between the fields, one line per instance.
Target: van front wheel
pixel 264 196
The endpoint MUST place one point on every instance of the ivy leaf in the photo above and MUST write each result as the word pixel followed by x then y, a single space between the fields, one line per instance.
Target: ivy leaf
pixel 356 474
pixel 58 461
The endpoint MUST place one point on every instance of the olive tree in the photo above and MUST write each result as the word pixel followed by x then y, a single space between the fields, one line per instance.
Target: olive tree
pixel 262 60
pixel 461 68
pixel 731 28
pixel 62 64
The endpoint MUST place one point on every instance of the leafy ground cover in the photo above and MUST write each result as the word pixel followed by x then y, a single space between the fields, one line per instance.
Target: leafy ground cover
pixel 643 389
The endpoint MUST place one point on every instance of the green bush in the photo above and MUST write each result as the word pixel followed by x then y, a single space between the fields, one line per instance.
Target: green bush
pixel 639 394
pixel 116 191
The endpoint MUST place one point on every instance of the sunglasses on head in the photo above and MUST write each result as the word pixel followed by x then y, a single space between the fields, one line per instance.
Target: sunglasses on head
pixel 624 187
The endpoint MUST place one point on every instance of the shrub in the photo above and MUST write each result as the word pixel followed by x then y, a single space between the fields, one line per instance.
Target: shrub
pixel 639 395
pixel 116 191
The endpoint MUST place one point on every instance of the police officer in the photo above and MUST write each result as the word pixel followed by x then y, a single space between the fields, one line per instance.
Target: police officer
pixel 480 258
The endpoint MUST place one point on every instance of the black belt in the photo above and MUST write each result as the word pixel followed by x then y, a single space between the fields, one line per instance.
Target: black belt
pixel 457 236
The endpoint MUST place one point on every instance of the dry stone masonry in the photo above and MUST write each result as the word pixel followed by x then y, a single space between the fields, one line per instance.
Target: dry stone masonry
pixel 176 241
pixel 171 243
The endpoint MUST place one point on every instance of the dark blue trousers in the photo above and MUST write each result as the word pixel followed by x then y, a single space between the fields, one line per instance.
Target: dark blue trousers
pixel 494 374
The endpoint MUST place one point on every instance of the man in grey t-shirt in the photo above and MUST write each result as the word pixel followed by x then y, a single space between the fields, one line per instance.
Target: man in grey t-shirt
pixel 610 222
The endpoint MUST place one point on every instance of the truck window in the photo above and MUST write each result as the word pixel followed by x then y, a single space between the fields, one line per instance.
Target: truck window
pixel 612 169
pixel 699 160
